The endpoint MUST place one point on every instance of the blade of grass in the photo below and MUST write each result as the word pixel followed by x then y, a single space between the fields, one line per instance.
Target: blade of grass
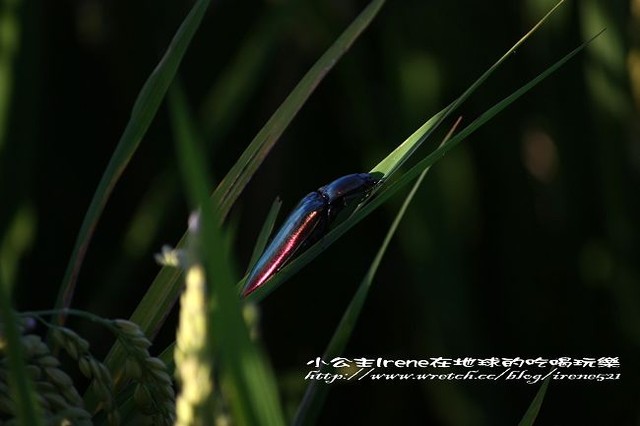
pixel 142 114
pixel 249 384
pixel 234 182
pixel 395 160
pixel 317 391
pixel 218 113
pixel 389 189
pixel 156 305
pixel 489 114
pixel 532 412
pixel 265 232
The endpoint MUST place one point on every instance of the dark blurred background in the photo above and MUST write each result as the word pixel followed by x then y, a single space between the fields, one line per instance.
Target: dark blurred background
pixel 523 241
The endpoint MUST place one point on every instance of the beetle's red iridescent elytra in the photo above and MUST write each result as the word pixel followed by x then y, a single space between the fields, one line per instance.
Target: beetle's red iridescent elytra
pixel 307 223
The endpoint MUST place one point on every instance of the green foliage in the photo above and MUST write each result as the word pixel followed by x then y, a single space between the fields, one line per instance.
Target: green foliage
pixel 223 373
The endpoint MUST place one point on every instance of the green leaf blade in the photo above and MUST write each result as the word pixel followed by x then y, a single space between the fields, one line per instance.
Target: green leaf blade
pixel 248 383
pixel 532 412
pixel 143 112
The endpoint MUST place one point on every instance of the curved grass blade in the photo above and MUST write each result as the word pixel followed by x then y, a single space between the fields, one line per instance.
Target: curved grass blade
pixel 391 188
pixel 219 112
pixel 154 308
pixel 248 383
pixel 234 182
pixel 533 410
pixel 157 304
pixel 142 114
pixel 394 160
pixel 265 232
pixel 317 391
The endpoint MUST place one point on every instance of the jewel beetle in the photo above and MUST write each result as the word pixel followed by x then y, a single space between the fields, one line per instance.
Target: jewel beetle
pixel 307 223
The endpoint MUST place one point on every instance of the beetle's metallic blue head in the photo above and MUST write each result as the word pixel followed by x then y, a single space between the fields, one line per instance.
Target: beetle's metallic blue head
pixel 347 191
